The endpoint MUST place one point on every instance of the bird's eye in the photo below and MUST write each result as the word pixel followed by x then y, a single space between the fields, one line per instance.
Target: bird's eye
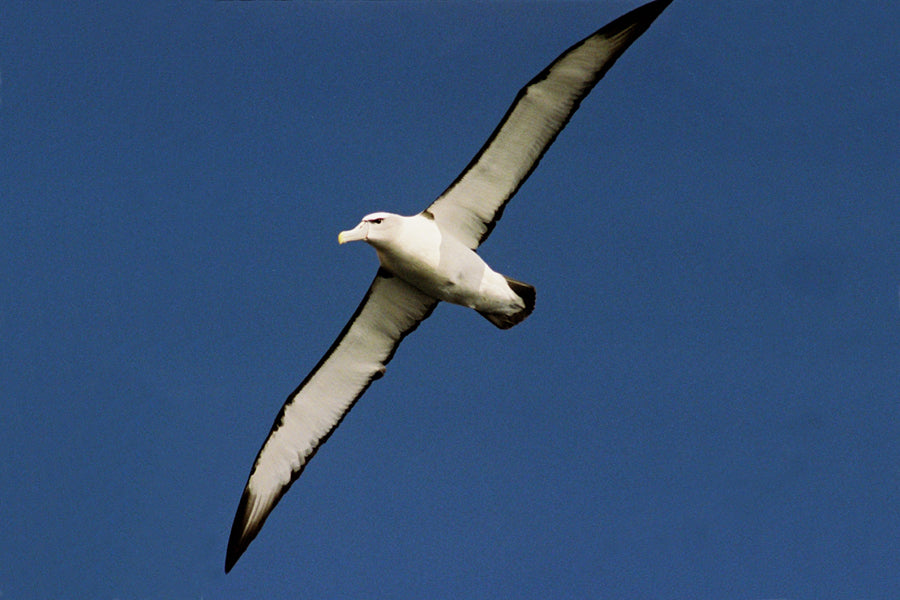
pixel 376 221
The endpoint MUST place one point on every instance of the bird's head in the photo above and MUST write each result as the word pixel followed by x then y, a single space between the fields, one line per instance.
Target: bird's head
pixel 374 228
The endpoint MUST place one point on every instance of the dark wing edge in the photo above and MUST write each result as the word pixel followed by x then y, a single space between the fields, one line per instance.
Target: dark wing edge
pixel 390 310
pixel 471 206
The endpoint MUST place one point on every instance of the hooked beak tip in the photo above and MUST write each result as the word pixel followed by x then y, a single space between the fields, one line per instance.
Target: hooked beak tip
pixel 351 235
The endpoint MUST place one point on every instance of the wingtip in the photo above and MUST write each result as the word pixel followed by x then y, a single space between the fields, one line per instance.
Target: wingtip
pixel 232 557
pixel 645 13
pixel 230 562
pixel 241 533
pixel 657 5
pixel 663 4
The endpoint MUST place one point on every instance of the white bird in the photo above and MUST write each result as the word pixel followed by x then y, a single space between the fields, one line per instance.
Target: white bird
pixel 427 258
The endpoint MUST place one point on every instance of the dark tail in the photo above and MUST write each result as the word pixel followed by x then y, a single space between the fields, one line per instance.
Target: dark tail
pixel 523 291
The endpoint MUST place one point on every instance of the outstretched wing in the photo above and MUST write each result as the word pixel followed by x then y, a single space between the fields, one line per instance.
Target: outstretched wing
pixel 472 205
pixel 390 310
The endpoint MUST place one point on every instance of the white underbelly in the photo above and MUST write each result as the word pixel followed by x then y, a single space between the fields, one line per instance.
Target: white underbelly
pixel 445 268
pixel 456 275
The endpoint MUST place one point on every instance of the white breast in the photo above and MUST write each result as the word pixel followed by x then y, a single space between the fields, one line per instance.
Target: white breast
pixel 442 266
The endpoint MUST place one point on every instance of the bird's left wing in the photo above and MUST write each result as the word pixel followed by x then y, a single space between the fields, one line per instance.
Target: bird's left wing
pixel 390 310
pixel 470 207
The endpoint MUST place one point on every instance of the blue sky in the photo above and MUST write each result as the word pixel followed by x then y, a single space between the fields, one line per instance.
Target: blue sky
pixel 703 405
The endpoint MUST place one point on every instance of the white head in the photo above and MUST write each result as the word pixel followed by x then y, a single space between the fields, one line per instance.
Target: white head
pixel 374 228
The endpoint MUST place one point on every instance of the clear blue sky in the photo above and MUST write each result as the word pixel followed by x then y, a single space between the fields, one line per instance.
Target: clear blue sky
pixel 704 404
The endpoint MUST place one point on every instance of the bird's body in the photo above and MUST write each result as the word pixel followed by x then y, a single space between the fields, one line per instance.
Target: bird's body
pixel 428 258
pixel 433 261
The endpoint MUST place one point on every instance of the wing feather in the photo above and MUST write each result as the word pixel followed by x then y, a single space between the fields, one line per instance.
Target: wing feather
pixel 390 310
pixel 472 205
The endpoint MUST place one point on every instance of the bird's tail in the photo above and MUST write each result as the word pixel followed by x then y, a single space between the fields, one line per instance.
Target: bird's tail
pixel 505 321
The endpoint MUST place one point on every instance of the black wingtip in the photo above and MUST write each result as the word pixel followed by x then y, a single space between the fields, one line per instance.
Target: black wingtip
pixel 230 561
pixel 643 15
pixel 241 533
pixel 232 556
pixel 656 6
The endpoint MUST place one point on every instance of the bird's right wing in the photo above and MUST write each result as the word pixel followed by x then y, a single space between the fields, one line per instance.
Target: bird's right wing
pixel 390 310
pixel 470 207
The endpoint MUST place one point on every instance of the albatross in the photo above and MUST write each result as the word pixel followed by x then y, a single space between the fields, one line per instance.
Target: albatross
pixel 428 258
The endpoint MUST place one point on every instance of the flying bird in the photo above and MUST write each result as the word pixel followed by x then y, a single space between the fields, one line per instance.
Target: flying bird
pixel 428 258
